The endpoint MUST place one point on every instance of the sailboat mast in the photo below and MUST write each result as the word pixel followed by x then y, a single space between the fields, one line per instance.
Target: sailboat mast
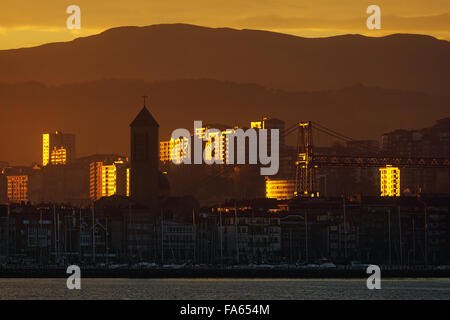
pixel 195 233
pixel 93 234
pixel 54 231
pixel 237 234
pixel 162 236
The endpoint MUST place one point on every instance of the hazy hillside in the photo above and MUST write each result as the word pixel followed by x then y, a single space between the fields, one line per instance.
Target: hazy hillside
pixel 169 52
pixel 100 112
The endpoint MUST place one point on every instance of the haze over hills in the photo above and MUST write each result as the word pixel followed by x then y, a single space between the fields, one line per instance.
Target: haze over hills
pixel 177 51
pixel 99 112
pixel 358 85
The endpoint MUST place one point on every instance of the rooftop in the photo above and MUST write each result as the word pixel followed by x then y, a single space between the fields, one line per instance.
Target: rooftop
pixel 144 119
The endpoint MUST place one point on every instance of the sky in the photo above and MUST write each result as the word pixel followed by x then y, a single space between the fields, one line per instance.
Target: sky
pixel 25 23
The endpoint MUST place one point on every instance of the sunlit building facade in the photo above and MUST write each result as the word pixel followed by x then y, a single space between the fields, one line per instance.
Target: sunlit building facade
pixel 215 142
pixel 17 188
pixel 165 150
pixel 128 182
pixel 257 125
pixel 58 148
pixel 58 156
pixel 109 178
pixel 216 145
pixel 174 150
pixel 269 124
pixel 280 189
pixel 390 181
pixel 22 184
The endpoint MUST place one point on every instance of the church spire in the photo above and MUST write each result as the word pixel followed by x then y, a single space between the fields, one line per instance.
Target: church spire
pixel 144 118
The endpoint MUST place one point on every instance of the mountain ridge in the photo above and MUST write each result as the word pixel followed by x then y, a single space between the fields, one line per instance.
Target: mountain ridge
pixel 120 28
pixel 276 60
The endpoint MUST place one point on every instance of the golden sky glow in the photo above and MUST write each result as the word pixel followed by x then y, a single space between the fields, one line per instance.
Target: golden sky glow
pixel 26 23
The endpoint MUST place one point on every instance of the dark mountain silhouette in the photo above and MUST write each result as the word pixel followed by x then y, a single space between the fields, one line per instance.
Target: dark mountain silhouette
pixel 99 112
pixel 169 52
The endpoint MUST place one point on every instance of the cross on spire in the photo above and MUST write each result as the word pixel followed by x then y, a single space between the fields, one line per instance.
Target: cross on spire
pixel 145 98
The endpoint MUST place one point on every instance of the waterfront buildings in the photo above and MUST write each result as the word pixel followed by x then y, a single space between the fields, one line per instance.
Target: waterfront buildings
pixel 378 230
pixel 100 209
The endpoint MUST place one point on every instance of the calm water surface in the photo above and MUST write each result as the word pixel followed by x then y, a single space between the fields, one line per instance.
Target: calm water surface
pixel 224 289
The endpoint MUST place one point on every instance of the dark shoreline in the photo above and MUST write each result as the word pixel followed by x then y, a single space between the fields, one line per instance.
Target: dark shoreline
pixel 222 273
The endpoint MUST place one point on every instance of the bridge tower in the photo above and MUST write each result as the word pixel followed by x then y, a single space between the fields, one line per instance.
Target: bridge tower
pixel 305 169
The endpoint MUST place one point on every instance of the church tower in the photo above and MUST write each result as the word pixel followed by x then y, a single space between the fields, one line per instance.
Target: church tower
pixel 144 131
